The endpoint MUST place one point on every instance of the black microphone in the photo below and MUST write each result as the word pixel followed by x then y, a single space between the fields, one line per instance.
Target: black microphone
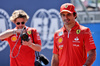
pixel 43 59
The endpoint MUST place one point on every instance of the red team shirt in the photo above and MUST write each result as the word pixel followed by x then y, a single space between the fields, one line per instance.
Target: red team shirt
pixel 72 46
pixel 26 55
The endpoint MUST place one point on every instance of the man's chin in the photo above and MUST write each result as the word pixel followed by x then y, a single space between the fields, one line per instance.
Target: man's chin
pixel 67 23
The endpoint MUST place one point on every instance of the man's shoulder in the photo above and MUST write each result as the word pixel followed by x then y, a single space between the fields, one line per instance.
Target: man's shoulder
pixel 83 27
pixel 58 31
pixel 31 28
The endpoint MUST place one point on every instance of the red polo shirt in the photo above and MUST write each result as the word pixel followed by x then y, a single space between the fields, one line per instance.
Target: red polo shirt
pixel 72 46
pixel 26 56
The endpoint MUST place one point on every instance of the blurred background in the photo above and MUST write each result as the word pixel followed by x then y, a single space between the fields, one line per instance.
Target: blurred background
pixel 45 17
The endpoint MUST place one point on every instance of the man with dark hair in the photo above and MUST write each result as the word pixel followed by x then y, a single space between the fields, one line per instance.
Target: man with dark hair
pixel 22 52
pixel 73 41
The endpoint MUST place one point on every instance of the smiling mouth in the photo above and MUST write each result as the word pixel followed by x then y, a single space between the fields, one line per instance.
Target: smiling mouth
pixel 66 20
pixel 20 27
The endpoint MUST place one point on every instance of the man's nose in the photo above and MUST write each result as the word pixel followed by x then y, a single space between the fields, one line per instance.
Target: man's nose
pixel 21 24
pixel 66 17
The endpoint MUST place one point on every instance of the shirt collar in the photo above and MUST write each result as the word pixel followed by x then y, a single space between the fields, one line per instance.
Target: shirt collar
pixel 76 26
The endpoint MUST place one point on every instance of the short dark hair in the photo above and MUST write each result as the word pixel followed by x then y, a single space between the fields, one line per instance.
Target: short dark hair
pixel 75 14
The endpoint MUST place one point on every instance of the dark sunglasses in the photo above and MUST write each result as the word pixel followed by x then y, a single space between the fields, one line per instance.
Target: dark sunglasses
pixel 18 23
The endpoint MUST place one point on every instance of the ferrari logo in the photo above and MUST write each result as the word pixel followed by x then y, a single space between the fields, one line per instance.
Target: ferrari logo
pixel 78 31
pixel 66 6
pixel 29 32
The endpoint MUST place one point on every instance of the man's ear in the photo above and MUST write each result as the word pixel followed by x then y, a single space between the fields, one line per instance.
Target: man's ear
pixel 75 15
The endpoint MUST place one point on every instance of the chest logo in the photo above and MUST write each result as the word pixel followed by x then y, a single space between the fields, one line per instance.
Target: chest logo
pixel 29 32
pixel 61 33
pixel 13 38
pixel 78 31
pixel 60 46
pixel 76 39
pixel 60 40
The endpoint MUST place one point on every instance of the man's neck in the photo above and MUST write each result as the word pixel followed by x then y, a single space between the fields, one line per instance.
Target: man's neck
pixel 68 27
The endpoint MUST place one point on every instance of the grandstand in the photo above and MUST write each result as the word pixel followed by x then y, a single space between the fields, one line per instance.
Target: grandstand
pixel 88 10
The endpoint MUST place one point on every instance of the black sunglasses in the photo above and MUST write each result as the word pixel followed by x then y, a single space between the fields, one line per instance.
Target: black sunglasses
pixel 18 23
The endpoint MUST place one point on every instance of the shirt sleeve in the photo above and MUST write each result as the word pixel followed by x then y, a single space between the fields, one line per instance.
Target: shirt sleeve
pixel 6 39
pixel 88 40
pixel 36 37
pixel 55 48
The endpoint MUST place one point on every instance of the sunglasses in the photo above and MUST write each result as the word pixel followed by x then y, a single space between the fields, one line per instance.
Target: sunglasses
pixel 18 23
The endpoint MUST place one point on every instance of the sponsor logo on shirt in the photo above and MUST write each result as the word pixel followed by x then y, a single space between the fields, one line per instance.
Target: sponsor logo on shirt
pixel 76 40
pixel 76 45
pixel 60 46
pixel 38 37
pixel 13 38
pixel 91 40
pixel 29 32
pixel 78 31
pixel 61 33
pixel 60 40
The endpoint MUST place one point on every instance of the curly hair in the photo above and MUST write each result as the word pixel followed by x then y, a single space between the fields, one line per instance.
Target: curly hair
pixel 19 14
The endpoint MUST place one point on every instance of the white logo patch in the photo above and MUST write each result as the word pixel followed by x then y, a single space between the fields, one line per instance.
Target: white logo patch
pixel 60 46
pixel 61 33
pixel 76 40
pixel 76 45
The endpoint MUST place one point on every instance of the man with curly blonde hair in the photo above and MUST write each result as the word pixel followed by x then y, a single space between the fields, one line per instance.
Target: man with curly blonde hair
pixel 22 53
